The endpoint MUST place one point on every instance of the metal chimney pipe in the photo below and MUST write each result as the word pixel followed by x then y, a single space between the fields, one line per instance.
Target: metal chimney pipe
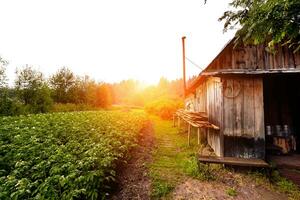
pixel 183 62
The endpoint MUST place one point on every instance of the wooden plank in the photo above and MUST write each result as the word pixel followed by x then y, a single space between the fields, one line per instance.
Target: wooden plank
pixel 277 58
pixel 271 60
pixel 249 162
pixel 259 108
pixel 248 107
pixel 189 133
pixel 174 125
pixel 198 134
pixel 238 106
pixel 228 107
pixel 285 56
pixel 260 57
pixel 291 63
pixel 297 60
pixel 266 59
pixel 259 124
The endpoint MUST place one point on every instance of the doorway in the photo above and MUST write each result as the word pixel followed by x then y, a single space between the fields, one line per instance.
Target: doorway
pixel 282 113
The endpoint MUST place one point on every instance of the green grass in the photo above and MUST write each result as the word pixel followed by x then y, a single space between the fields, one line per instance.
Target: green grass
pixel 173 159
pixel 231 192
pixel 276 182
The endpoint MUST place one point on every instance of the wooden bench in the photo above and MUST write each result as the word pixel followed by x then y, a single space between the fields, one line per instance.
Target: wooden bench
pixel 233 161
pixel 195 119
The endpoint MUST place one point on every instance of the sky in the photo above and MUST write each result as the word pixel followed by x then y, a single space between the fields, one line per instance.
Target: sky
pixel 111 40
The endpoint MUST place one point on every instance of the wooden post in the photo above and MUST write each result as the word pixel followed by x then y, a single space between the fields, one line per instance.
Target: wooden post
pixel 174 120
pixel 198 132
pixel 183 64
pixel 189 132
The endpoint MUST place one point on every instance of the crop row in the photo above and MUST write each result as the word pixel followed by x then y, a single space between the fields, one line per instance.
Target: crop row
pixel 64 155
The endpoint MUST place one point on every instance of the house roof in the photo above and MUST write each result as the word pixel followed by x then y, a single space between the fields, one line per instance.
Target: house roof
pixel 202 76
pixel 254 70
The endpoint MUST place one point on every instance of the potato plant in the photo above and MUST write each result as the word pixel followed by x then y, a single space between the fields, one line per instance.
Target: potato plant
pixel 64 155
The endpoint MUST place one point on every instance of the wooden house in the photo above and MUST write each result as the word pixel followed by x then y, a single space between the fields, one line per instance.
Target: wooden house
pixel 250 94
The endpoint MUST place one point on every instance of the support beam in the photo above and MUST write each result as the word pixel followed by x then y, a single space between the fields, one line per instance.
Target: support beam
pixel 174 125
pixel 183 64
pixel 189 133
pixel 198 132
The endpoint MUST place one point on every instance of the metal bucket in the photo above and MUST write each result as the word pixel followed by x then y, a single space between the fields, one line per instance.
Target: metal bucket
pixel 268 130
pixel 286 130
pixel 278 130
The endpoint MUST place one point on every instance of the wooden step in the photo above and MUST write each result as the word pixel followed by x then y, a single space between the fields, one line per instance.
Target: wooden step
pixel 233 161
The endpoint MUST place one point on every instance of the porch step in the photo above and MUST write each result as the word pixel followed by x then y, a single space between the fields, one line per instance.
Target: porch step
pixel 248 162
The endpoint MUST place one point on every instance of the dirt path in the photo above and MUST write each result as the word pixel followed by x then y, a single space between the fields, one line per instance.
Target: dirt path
pixel 193 189
pixel 159 171
pixel 173 180
pixel 133 180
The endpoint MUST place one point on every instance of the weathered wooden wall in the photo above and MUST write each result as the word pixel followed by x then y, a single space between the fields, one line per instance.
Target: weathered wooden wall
pixel 243 120
pixel 201 98
pixel 209 100
pixel 190 102
pixel 236 106
pixel 235 103
pixel 255 57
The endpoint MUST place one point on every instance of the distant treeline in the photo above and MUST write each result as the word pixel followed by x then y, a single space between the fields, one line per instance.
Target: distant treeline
pixel 65 91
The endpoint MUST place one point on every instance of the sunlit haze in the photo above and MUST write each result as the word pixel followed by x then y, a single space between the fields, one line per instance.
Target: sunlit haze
pixel 111 40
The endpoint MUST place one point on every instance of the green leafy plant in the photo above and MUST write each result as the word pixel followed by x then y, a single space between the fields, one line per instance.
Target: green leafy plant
pixel 161 188
pixel 164 107
pixel 199 170
pixel 64 155
pixel 231 192
pixel 275 22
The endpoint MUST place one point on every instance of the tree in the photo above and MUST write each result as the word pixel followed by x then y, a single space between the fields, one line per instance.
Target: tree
pixel 103 96
pixel 3 79
pixel 32 90
pixel 61 83
pixel 7 105
pixel 265 21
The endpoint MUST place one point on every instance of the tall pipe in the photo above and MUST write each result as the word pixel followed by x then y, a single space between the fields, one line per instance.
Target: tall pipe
pixel 183 66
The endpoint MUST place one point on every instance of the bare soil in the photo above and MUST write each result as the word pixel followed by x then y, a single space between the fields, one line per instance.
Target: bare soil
pixel 132 178
pixel 193 189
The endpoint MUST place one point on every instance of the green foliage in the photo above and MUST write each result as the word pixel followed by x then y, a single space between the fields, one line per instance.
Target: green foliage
pixel 276 182
pixel 64 155
pixel 231 192
pixel 198 170
pixel 3 79
pixel 62 83
pixel 165 108
pixel 70 107
pixel 102 97
pixel 170 156
pixel 161 188
pixel 272 22
pixel 9 105
pixel 192 168
pixel 285 185
pixel 67 88
pixel 33 91
pixel 131 92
